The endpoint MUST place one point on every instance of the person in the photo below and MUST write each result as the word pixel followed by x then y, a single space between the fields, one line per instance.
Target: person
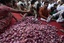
pixel 14 4
pixel 22 4
pixel 61 6
pixel 51 4
pixel 59 15
pixel 37 5
pixel 32 8
pixel 54 9
pixel 5 16
pixel 43 11
pixel 42 3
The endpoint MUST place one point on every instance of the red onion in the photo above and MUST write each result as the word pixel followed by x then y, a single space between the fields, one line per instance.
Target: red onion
pixel 29 31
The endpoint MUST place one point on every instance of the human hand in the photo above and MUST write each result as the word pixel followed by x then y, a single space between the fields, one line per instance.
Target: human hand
pixel 35 19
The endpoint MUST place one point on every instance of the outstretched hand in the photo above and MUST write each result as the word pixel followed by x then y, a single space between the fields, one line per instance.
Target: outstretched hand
pixel 23 17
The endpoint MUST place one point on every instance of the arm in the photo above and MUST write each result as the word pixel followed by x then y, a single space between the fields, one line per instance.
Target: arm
pixel 17 11
pixel 40 13
pixel 9 9
pixel 49 11
pixel 58 13
pixel 35 12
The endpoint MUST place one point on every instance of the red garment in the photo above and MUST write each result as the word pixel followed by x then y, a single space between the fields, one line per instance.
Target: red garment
pixel 5 16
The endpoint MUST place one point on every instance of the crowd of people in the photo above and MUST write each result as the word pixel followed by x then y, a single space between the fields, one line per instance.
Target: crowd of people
pixel 46 10
pixel 30 28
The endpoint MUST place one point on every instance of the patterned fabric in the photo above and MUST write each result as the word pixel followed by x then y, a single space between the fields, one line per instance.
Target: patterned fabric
pixel 5 22
pixel 5 17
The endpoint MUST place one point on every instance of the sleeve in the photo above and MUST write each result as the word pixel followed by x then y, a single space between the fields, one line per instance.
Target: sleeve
pixel 58 13
pixel 58 8
pixel 8 8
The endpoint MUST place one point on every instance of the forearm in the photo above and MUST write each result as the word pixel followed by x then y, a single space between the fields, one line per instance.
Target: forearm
pixel 43 16
pixel 58 13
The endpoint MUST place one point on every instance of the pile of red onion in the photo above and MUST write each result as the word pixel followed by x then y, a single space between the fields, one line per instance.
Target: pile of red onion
pixel 30 31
